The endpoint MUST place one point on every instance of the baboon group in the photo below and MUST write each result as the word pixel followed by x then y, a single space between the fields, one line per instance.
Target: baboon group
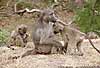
pixel 45 35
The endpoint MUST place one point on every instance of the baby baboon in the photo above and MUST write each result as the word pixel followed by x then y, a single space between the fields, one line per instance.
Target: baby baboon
pixel 19 36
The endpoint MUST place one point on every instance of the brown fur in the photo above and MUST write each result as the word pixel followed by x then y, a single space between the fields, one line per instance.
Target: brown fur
pixel 19 36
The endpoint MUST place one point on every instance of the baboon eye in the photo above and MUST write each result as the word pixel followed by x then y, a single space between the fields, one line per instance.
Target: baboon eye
pixel 19 28
pixel 25 29
pixel 51 13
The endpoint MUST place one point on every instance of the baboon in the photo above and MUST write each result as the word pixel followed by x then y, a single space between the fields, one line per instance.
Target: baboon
pixel 45 39
pixel 43 33
pixel 31 49
pixel 76 37
pixel 30 45
pixel 46 42
pixel 73 39
pixel 19 36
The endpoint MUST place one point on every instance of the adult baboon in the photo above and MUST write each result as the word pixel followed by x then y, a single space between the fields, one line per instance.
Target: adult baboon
pixel 43 33
pixel 19 36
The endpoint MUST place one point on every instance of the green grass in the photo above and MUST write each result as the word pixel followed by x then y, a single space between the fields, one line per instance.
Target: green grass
pixel 4 34
pixel 86 18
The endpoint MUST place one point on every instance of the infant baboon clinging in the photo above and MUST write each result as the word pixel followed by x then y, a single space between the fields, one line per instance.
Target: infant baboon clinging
pixel 19 36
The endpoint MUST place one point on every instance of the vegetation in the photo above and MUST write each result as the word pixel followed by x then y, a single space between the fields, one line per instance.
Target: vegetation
pixel 86 17
pixel 23 4
pixel 3 36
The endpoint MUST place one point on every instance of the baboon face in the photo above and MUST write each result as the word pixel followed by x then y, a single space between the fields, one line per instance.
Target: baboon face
pixel 48 16
pixel 22 29
pixel 57 27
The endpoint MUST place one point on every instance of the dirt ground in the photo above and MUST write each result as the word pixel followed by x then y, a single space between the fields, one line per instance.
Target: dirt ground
pixel 90 59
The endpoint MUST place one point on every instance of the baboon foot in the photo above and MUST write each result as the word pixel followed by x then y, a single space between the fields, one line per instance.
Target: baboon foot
pixel 75 53
pixel 64 51
pixel 79 53
pixel 14 57
pixel 71 53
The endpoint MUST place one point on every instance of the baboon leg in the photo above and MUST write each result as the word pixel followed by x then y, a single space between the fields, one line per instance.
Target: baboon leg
pixel 64 49
pixel 79 48
pixel 55 43
pixel 65 39
pixel 52 40
pixel 54 50
pixel 72 48
pixel 57 50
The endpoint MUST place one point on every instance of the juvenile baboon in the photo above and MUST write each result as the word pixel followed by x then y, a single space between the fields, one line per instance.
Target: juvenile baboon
pixel 74 41
pixel 74 38
pixel 19 36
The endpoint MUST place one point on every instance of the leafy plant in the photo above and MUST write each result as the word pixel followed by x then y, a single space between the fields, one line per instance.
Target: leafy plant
pixel 86 17
pixel 23 4
pixel 4 34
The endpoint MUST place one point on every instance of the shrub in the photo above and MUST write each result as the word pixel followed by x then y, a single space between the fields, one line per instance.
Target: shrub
pixel 87 19
pixel 23 4
pixel 4 34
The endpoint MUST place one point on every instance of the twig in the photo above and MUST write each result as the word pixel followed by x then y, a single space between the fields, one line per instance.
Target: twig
pixel 25 10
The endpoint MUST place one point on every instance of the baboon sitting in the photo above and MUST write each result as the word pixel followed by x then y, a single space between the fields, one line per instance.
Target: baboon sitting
pixel 19 36
pixel 43 35
pixel 46 42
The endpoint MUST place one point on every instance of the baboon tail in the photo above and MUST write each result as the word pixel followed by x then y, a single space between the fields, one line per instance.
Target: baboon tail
pixel 94 46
